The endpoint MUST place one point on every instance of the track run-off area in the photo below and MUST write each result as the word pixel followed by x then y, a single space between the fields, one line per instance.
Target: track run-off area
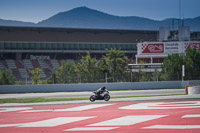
pixel 164 116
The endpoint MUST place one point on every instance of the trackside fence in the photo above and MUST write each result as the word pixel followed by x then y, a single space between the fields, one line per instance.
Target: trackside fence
pixel 94 86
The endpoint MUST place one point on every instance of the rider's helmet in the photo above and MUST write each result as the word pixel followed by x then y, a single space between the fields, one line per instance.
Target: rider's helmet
pixel 103 88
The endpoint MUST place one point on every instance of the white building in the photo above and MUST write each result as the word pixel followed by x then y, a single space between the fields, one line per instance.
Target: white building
pixel 155 52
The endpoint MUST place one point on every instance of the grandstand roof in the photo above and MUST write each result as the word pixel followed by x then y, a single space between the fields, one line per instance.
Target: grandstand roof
pixel 45 34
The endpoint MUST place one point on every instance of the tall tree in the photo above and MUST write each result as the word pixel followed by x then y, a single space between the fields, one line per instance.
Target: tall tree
pixel 172 67
pixel 116 64
pixel 6 78
pixel 192 62
pixel 36 75
pixel 87 68
pixel 65 73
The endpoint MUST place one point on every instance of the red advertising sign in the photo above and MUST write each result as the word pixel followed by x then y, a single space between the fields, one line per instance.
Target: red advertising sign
pixel 153 48
pixel 192 45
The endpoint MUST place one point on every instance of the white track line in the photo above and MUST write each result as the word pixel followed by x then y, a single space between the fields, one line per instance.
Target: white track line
pixel 193 115
pixel 84 107
pixel 90 128
pixel 163 105
pixel 14 109
pixel 79 108
pixel 10 125
pixel 48 123
pixel 173 127
pixel 127 120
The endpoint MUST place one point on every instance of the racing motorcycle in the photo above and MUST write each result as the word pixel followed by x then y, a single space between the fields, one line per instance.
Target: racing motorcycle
pixel 100 96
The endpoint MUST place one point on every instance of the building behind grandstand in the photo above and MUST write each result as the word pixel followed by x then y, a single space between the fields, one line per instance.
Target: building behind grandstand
pixel 152 54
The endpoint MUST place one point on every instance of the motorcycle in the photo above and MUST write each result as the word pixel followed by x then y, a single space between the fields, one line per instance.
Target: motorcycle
pixel 103 96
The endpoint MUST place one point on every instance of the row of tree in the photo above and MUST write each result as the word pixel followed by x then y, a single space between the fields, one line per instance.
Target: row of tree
pixel 110 68
pixel 172 66
pixel 113 67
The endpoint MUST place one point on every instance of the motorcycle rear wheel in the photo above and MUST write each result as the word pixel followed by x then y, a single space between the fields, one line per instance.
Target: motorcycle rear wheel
pixel 92 98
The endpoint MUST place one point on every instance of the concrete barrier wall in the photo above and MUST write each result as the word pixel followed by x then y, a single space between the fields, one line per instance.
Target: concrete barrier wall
pixel 192 90
pixel 194 82
pixel 94 86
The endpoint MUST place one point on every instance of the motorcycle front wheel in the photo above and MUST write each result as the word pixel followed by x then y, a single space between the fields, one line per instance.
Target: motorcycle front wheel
pixel 107 97
pixel 92 98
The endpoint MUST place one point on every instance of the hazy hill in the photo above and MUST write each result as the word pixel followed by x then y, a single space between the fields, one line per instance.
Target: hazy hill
pixel 83 17
pixel 15 23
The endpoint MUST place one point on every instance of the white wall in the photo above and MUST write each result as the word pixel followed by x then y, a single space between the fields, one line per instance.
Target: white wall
pixel 94 86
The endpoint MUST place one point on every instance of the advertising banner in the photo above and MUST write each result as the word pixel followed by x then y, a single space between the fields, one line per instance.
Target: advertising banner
pixel 165 48
pixel 172 47
pixel 195 45
pixel 153 48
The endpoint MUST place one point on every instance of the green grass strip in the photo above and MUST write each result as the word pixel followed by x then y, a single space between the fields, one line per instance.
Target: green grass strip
pixel 36 100
pixel 147 96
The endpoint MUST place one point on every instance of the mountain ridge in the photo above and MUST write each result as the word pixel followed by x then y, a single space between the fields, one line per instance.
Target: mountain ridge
pixel 84 17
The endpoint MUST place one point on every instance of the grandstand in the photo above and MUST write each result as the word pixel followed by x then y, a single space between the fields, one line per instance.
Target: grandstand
pixel 26 48
pixel 20 68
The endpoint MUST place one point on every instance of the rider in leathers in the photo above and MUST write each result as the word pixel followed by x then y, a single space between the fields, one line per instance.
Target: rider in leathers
pixel 101 91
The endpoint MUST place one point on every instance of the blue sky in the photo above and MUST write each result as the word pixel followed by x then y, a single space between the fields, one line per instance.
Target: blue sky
pixel 38 10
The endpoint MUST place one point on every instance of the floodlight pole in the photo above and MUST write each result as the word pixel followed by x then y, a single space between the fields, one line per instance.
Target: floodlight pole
pixel 131 76
pixel 157 75
pixel 106 78
pixel 183 72
pixel 26 79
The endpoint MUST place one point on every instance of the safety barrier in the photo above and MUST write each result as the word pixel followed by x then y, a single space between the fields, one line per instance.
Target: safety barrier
pixel 94 86
pixel 192 89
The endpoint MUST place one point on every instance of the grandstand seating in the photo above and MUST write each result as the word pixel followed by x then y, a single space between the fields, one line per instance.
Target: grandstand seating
pixel 20 68
pixel 23 72
pixel 47 71
pixel 43 75
pixel 28 64
pixel 4 64
pixel 11 64
pixel 1 65
pixel 48 62
pixel 43 64
pixel 55 63
pixel 16 73
pixel 19 64
pixel 35 63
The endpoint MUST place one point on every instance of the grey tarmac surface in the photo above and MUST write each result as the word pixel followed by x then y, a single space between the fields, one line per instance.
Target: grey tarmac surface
pixel 174 97
pixel 88 94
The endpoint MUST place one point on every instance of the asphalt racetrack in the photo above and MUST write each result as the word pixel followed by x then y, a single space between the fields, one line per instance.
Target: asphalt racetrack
pixel 160 116
pixel 87 94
